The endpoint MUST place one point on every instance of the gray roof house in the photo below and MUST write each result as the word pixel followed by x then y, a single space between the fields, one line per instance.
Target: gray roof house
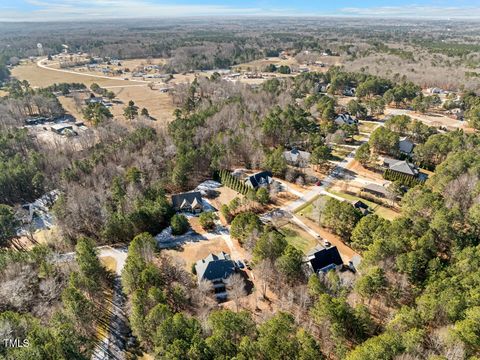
pixel 189 201
pixel 297 157
pixel 405 145
pixel 401 166
pixel 216 269
pixel 345 119
pixel 263 178
pixel 376 190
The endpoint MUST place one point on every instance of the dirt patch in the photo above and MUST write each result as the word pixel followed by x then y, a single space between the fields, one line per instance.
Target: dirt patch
pixel 359 169
pixel 192 252
pixel 225 196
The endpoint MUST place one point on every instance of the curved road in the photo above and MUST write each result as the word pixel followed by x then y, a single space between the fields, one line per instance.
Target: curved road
pixel 43 66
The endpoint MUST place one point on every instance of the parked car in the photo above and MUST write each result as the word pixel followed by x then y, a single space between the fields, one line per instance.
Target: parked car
pixel 240 265
pixel 318 183
pixel 326 243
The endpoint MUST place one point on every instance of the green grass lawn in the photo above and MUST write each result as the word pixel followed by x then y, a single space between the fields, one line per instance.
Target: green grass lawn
pixel 366 127
pixel 298 239
pixel 340 153
pixel 379 210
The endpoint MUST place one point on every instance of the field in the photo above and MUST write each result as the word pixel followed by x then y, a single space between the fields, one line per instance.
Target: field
pixel 298 238
pixel 159 104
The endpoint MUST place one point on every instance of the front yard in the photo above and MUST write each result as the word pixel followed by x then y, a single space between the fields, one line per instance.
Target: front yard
pixel 298 238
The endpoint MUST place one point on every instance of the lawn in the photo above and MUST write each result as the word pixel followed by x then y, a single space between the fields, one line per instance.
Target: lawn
pixel 366 127
pixel 379 210
pixel 298 238
pixel 339 152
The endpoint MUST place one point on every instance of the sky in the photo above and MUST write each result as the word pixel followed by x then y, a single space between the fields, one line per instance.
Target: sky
pixel 58 10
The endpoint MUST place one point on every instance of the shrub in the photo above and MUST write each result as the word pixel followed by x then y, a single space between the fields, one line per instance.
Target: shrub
pixel 179 224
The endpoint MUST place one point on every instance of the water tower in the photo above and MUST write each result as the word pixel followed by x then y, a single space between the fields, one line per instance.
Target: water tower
pixel 40 49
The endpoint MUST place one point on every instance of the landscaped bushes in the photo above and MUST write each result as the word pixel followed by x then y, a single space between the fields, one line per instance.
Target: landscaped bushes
pixel 404 179
pixel 227 179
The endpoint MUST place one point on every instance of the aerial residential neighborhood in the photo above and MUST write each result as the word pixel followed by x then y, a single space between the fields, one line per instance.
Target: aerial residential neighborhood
pixel 260 180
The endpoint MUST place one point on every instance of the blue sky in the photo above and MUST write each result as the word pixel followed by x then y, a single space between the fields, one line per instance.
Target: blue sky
pixel 30 10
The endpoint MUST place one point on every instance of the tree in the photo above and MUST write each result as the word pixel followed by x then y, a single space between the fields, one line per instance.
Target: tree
pixel 130 111
pixel 371 283
pixel 207 220
pixel 244 225
pixel 179 224
pixel 270 245
pixel 340 216
pixel 91 270
pixel 276 163
pixel 384 140
pixel 96 113
pixel 144 112
pixel 365 231
pixel 179 337
pixel 399 124
pixel 290 263
pixel 140 252
pixel 235 288
pixel 276 338
pixel 8 224
pixel 468 329
pixel 362 155
pixel 228 329
pixel 473 117
pixel 357 109
pixel 262 196
pixel 320 155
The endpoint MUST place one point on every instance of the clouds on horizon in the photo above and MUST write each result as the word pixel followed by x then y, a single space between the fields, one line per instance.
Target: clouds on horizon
pixel 60 10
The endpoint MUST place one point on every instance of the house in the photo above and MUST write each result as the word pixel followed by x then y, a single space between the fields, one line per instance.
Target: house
pixel 189 201
pixel 297 157
pixel 322 259
pixel 361 206
pixel 345 119
pixel 94 100
pixel 216 269
pixel 260 179
pixel 376 190
pixel 35 120
pixel 63 129
pixel 349 91
pixel 400 166
pixel 405 145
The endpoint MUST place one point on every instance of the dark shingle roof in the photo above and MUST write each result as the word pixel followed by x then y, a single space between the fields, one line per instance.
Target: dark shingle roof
pixel 189 197
pixel 214 267
pixel 259 178
pixel 325 257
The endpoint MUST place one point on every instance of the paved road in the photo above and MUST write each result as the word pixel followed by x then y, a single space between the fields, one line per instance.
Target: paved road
pixel 39 64
pixel 319 190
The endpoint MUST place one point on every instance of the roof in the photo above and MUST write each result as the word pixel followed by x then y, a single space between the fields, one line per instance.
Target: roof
pixel 260 178
pixel 401 166
pixel 186 200
pixel 360 205
pixel 325 258
pixel 345 119
pixel 376 189
pixel 296 155
pixel 405 145
pixel 214 267
pixel 60 127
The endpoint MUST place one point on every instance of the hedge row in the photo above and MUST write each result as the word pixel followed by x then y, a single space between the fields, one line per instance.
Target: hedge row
pixel 404 179
pixel 227 179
